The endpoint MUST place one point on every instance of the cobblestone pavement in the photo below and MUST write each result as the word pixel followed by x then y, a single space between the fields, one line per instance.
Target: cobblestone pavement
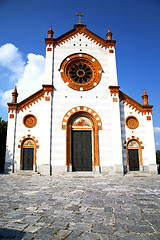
pixel 77 206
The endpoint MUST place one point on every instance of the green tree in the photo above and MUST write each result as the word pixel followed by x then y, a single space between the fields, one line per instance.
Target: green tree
pixel 3 134
pixel 158 156
pixel 158 160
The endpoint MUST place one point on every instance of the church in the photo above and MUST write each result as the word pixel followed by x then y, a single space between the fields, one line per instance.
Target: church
pixel 80 120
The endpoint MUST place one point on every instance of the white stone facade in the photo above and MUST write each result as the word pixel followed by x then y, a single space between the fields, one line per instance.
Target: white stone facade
pixel 50 108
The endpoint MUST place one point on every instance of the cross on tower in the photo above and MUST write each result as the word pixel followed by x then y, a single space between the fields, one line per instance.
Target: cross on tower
pixel 80 15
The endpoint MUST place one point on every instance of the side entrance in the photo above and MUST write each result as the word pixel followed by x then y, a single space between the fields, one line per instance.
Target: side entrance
pixel 28 156
pixel 133 156
pixel 28 152
pixel 133 159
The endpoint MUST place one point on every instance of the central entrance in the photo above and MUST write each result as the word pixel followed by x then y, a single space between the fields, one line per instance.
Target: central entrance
pixel 84 119
pixel 81 144
pixel 81 150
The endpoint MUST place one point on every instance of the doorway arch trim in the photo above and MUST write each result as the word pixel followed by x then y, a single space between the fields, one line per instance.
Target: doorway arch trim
pixel 21 143
pixel 140 144
pixel 96 125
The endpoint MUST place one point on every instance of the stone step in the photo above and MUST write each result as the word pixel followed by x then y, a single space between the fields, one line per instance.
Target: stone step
pixel 137 174
pixel 26 173
pixel 84 174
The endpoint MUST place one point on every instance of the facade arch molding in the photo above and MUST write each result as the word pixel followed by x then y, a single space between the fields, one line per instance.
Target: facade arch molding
pixel 140 147
pixel 69 117
pixel 21 146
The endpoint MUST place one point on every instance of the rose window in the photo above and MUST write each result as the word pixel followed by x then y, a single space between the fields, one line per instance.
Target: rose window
pixel 80 73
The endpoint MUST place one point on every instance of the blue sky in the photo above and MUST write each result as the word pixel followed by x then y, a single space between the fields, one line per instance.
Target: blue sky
pixel 135 25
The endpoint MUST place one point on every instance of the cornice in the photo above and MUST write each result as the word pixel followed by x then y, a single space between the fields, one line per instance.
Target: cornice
pixel 144 109
pixel 80 29
pixel 31 99
pixel 114 90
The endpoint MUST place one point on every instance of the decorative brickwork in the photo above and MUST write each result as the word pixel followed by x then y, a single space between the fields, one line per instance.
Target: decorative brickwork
pixel 82 109
pixel 115 99
pixel 69 118
pixel 149 118
pixel 30 100
pixel 114 90
pixel 80 29
pixel 47 98
pixel 144 109
pixel 11 115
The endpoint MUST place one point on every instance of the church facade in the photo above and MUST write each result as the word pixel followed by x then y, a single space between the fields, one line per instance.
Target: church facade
pixel 80 120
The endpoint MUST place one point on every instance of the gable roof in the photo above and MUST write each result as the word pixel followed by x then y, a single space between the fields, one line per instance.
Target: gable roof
pixel 80 29
pixel 31 99
pixel 124 98
pixel 134 104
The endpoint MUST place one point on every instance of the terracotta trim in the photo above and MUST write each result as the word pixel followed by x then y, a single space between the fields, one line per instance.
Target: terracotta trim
pixel 96 125
pixel 144 109
pixel 31 122
pixel 135 123
pixel 114 90
pixel 11 116
pixel 81 29
pixel 21 143
pixel 149 118
pixel 134 104
pixel 82 109
pixel 140 148
pixel 130 101
pixel 31 99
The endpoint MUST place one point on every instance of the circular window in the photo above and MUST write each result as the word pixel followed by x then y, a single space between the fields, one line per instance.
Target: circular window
pixel 81 71
pixel 29 121
pixel 132 122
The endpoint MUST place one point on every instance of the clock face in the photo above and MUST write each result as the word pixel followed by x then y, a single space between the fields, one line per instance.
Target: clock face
pixel 81 71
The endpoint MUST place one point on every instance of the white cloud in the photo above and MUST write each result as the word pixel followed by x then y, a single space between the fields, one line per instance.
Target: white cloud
pixel 33 76
pixel 11 59
pixel 157 144
pixel 157 129
pixel 29 76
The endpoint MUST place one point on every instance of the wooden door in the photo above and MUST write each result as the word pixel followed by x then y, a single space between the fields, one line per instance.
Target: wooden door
pixel 81 150
pixel 28 156
pixel 133 159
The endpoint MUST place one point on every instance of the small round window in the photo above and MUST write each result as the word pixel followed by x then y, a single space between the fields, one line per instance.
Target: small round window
pixel 132 122
pixel 29 121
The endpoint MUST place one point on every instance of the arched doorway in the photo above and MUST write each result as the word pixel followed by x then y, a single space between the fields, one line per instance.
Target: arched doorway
pixel 28 145
pixel 81 144
pixel 28 155
pixel 133 155
pixel 95 125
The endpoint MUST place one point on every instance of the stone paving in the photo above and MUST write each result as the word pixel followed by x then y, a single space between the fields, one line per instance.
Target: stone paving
pixel 79 206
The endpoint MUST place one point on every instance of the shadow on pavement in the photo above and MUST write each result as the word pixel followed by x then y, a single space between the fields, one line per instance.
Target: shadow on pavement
pixel 11 233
